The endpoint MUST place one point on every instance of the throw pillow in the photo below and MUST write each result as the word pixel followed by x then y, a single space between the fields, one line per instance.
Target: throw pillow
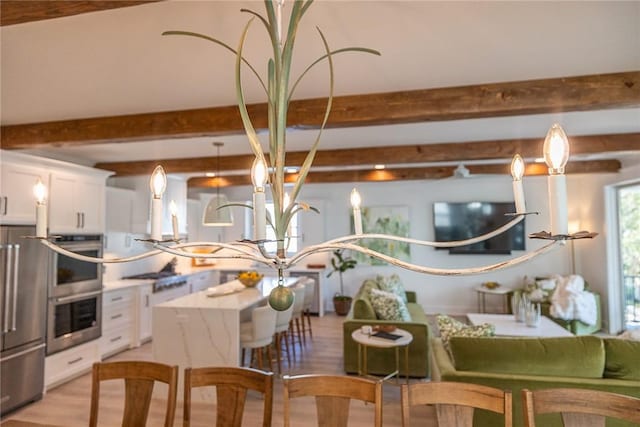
pixel 392 284
pixel 450 327
pixel 388 306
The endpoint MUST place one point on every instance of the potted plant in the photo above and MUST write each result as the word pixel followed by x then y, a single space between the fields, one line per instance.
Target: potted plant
pixel 340 264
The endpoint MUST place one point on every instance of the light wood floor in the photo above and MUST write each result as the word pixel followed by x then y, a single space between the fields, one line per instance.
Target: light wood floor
pixel 68 404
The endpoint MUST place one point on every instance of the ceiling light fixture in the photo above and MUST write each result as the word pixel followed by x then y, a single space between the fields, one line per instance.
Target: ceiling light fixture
pixel 272 173
pixel 217 213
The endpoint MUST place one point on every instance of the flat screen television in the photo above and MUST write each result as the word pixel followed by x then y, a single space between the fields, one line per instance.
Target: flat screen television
pixel 460 221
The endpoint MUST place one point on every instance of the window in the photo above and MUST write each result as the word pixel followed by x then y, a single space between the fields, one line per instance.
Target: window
pixel 293 234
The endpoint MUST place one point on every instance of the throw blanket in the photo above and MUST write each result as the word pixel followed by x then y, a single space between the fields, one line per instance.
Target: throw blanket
pixel 570 301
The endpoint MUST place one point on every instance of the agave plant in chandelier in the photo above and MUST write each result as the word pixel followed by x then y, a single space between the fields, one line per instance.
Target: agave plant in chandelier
pixel 268 171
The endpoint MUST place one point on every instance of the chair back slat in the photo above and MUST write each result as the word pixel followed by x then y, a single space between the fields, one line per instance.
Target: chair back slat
pixel 333 395
pixel 231 385
pixel 581 407
pixel 455 402
pixel 139 378
pixel 332 411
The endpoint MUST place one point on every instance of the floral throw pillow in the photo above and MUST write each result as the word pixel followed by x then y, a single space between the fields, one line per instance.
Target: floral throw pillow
pixel 392 284
pixel 450 327
pixel 388 306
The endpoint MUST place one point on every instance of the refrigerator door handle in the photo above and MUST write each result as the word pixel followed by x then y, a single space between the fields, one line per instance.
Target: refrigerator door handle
pixel 7 283
pixel 23 352
pixel 16 265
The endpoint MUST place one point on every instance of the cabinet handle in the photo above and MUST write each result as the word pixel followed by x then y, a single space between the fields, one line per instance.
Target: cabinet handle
pixel 117 316
pixel 146 300
pixel 119 337
pixel 82 219
pixel 114 299
pixel 6 205
pixel 3 203
pixel 77 219
pixel 71 362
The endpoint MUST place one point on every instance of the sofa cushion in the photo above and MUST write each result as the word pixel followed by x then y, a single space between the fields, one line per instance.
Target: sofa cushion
pixel 581 357
pixel 622 359
pixel 388 306
pixel 392 284
pixel 363 310
pixel 450 327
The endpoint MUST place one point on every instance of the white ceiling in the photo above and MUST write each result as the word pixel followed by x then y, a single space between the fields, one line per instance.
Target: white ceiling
pixel 116 62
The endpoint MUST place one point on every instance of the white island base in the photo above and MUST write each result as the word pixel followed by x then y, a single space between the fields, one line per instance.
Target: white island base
pixel 203 329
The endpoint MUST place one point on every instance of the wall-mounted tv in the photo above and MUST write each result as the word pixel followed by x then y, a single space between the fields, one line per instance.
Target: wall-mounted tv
pixel 459 221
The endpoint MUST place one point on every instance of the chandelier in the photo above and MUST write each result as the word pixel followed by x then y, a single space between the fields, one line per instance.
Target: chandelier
pixel 271 174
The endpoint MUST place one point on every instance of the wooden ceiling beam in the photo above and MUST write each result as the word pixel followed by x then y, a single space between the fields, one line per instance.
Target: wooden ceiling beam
pixel 21 11
pixel 408 174
pixel 581 93
pixel 407 154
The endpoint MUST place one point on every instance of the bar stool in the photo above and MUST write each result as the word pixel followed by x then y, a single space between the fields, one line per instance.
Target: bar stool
pixel 258 334
pixel 294 324
pixel 309 293
pixel 282 326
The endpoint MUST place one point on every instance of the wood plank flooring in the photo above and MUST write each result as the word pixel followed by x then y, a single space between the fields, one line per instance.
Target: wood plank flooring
pixel 68 404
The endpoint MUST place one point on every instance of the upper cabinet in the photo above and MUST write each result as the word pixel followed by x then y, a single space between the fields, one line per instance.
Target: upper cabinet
pixel 76 203
pixel 17 202
pixel 120 203
pixel 75 193
pixel 141 202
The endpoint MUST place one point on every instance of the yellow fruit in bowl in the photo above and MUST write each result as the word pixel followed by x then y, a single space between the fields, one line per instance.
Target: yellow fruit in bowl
pixel 491 285
pixel 250 278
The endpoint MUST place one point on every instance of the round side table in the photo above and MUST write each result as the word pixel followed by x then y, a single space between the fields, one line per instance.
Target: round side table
pixel 364 341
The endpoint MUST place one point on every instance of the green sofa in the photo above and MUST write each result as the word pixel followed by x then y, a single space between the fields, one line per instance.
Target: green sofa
pixel 382 361
pixel 590 362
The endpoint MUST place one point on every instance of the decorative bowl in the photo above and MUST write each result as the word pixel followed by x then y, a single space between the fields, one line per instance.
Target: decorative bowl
pixel 250 278
pixel 491 285
pixel 385 328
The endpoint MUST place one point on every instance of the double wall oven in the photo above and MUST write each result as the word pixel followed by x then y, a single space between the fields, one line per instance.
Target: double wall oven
pixel 75 294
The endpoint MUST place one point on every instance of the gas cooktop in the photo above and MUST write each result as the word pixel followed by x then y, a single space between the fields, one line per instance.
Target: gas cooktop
pixel 152 275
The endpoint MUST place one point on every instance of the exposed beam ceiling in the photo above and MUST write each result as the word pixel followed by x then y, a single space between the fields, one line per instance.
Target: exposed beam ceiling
pixel 593 92
pixel 408 154
pixel 21 11
pixel 403 174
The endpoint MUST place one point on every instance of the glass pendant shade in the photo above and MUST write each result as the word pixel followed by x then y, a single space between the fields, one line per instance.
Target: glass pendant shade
pixel 214 217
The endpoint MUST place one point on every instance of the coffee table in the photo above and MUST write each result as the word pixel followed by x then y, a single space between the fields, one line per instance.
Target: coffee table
pixel 364 341
pixel 506 325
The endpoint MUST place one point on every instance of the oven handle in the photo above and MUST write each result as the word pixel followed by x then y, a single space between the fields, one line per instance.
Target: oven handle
pixel 79 296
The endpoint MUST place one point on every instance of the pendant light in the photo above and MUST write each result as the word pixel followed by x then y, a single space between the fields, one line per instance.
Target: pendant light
pixel 213 215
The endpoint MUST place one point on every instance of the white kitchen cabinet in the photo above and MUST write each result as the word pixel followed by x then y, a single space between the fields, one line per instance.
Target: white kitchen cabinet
pixel 201 281
pixel 76 203
pixel 17 202
pixel 68 364
pixel 119 208
pixel 118 321
pixel 144 313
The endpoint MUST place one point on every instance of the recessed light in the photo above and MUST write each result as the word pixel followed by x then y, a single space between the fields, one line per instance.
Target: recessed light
pixel 291 170
pixel 379 167
pixel 210 174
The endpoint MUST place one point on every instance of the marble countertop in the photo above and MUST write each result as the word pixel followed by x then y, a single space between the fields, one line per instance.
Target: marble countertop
pixel 125 283
pixel 232 295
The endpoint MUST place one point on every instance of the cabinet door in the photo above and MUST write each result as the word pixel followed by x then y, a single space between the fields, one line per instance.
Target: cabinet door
pixel 119 208
pixel 17 203
pixel 63 216
pixel 89 202
pixel 144 313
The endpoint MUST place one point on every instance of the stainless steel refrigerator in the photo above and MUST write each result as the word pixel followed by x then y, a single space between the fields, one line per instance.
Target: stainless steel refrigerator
pixel 23 297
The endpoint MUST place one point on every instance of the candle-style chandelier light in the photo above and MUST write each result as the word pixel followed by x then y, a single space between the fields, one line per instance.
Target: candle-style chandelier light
pixel 272 174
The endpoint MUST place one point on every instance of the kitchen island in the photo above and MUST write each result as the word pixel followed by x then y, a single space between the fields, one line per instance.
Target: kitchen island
pixel 203 328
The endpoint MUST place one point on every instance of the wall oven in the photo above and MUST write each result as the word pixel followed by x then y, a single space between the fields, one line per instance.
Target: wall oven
pixel 69 276
pixel 74 309
pixel 73 320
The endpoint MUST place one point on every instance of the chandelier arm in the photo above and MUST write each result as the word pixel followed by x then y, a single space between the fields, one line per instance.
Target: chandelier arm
pixel 239 247
pixel 176 251
pixel 96 260
pixel 430 270
pixel 451 244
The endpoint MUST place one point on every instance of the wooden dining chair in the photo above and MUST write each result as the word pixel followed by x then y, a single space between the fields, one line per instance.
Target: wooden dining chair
pixel 231 385
pixel 455 402
pixel 333 395
pixel 139 378
pixel 579 407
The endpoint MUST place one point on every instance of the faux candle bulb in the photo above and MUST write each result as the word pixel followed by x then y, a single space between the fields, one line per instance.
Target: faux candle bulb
pixel 556 149
pixel 174 220
pixel 357 216
pixel 517 171
pixel 40 192
pixel 158 182
pixel 558 215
